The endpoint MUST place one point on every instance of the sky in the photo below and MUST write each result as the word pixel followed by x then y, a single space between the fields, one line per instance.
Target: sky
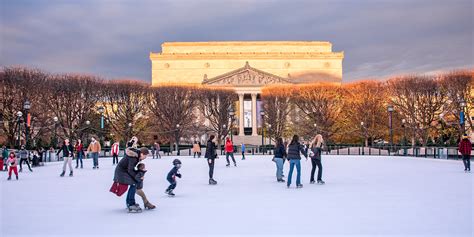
pixel 113 38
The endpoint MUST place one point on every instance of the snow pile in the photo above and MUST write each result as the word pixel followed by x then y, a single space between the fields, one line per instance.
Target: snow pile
pixel 362 196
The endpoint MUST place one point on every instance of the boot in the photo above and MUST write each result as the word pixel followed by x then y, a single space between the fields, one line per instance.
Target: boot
pixel 17 177
pixel 62 174
pixel 299 186
pixel 149 206
pixel 9 177
pixel 134 208
pixel 21 169
pixel 70 174
pixel 77 166
pixel 312 182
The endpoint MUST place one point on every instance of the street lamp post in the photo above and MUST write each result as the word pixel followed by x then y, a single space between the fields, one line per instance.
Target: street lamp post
pixel 177 139
pixel 364 136
pixel 390 111
pixel 462 118
pixel 269 135
pixel 101 110
pixel 404 132
pixel 55 141
pixel 231 114
pixel 262 113
pixel 88 123
pixel 27 107
pixel 129 135
pixel 19 114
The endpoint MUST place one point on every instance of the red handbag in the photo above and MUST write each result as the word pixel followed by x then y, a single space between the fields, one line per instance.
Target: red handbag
pixel 118 188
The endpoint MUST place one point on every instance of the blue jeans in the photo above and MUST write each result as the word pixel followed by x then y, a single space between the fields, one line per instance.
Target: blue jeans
pixel 131 195
pixel 95 157
pixel 279 165
pixel 298 171
pixel 79 158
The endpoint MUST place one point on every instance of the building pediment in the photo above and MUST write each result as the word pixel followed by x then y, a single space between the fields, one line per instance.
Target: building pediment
pixel 245 76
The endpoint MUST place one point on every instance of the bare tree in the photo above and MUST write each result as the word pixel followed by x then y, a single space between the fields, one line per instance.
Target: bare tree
pixel 458 86
pixel 125 104
pixel 420 100
pixel 319 107
pixel 18 85
pixel 214 105
pixel 72 99
pixel 364 106
pixel 276 104
pixel 172 107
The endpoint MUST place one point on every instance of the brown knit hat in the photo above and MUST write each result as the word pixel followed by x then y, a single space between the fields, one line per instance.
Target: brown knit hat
pixel 144 151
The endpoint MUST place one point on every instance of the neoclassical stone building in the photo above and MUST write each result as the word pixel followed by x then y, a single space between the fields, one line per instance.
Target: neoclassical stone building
pixel 246 66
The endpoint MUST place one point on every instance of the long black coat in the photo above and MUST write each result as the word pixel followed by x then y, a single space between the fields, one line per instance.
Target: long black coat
pixel 125 172
pixel 210 150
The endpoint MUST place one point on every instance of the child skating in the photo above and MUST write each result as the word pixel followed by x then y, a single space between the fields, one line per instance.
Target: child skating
pixel 12 163
pixel 172 177
pixel 140 176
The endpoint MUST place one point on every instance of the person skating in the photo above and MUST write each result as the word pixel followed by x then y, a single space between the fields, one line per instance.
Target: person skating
pixel 141 170
pixel 171 177
pixel 157 148
pixel 115 149
pixel 465 148
pixel 196 150
pixel 79 147
pixel 94 149
pixel 125 173
pixel 280 155
pixel 68 153
pixel 242 148
pixel 294 150
pixel 229 151
pixel 12 165
pixel 211 157
pixel 316 148
pixel 24 157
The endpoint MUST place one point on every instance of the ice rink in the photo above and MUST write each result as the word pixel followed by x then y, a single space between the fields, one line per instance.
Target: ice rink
pixel 363 196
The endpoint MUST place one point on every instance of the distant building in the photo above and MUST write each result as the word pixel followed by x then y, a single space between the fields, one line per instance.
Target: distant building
pixel 246 66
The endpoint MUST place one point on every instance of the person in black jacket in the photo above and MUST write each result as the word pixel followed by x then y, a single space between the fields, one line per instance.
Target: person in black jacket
pixel 280 154
pixel 316 149
pixel 171 177
pixel 68 153
pixel 211 156
pixel 125 173
pixel 294 150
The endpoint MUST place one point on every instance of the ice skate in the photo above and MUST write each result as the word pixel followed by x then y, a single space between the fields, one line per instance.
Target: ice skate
pixel 70 174
pixel 149 206
pixel 235 164
pixel 134 209
pixel 299 186
pixel 9 177
pixel 93 168
pixel 62 174
pixel 312 182
pixel 228 165
pixel 17 177
pixel 321 182
pixel 212 182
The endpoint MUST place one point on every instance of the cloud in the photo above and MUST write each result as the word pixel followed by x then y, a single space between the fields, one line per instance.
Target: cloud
pixel 113 38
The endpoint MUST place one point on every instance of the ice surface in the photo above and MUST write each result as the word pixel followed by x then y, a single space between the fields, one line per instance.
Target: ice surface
pixel 363 196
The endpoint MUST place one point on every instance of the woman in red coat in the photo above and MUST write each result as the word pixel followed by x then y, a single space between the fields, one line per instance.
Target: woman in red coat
pixel 229 151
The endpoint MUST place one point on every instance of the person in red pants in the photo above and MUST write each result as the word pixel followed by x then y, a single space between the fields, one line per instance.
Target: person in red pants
pixel 12 162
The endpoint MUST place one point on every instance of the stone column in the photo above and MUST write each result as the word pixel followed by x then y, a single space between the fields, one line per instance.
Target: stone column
pixel 254 115
pixel 241 114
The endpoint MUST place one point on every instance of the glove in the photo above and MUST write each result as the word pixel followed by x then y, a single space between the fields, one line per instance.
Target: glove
pixel 179 175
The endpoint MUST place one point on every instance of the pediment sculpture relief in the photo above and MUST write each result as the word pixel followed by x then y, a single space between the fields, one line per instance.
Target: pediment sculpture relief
pixel 248 78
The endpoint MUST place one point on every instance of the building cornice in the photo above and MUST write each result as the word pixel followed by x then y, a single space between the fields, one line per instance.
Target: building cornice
pixel 247 43
pixel 270 55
